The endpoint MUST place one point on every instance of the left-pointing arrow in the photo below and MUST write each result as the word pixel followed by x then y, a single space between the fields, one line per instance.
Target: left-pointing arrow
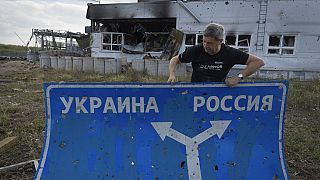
pixel 164 129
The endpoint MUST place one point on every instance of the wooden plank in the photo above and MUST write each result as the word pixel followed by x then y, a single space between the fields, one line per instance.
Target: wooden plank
pixel 7 142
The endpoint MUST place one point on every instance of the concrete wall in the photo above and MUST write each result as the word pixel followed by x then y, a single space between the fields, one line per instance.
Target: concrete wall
pixel 280 74
pixel 108 65
pixel 81 64
pixel 157 67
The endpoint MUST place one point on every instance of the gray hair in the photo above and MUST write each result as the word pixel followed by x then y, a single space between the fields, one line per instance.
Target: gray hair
pixel 214 30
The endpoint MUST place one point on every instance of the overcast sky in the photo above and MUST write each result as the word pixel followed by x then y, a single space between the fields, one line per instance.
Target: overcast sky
pixel 21 16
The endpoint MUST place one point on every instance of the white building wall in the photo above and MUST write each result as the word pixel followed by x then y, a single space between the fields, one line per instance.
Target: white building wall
pixel 96 48
pixel 235 16
pixel 300 18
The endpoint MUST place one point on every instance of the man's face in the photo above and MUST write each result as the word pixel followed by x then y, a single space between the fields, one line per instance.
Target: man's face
pixel 211 45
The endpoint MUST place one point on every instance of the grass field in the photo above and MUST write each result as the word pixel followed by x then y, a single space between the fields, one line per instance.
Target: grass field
pixel 4 48
pixel 22 115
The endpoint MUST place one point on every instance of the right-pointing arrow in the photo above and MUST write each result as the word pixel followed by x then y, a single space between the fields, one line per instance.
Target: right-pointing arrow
pixel 217 128
pixel 220 126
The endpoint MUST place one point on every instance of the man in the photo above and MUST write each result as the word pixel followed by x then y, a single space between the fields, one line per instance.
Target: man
pixel 212 61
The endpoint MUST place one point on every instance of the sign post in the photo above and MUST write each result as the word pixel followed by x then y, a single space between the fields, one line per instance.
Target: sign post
pixel 162 131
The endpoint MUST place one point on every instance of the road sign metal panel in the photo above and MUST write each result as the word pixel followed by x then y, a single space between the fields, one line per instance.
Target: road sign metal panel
pixel 162 131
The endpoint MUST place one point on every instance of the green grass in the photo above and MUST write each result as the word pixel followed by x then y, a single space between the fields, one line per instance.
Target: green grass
pixel 15 50
pixel 4 48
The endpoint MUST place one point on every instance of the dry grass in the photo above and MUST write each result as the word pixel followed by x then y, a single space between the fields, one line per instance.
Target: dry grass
pixel 22 115
pixel 302 134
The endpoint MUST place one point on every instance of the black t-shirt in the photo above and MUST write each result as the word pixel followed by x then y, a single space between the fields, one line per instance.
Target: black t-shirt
pixel 212 68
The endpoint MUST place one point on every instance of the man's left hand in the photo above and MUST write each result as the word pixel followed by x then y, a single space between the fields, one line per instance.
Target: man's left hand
pixel 232 81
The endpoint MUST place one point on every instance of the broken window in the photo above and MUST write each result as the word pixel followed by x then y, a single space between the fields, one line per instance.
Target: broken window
pixel 112 41
pixel 150 42
pixel 237 41
pixel 281 44
pixel 274 40
pixel 116 38
pixel 132 44
pixel 231 40
pixel 199 38
pixel 190 39
pixel 155 41
pixel 106 38
pixel 244 40
pixel 287 51
pixel 193 39
pixel 288 41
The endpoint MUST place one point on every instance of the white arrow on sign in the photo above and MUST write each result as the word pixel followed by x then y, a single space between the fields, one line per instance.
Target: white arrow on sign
pixel 218 128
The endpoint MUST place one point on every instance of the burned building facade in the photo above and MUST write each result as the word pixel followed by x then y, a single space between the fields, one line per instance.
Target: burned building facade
pixel 285 33
pixel 133 28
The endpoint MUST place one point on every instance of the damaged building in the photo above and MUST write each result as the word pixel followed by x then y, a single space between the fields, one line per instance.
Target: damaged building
pixel 119 29
pixel 285 33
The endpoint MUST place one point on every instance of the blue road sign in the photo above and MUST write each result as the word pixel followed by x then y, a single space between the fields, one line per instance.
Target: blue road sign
pixel 164 132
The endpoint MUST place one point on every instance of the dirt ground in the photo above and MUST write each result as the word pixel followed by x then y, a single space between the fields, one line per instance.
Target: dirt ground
pixel 22 115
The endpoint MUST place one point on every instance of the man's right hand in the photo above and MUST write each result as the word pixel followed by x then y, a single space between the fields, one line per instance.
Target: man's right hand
pixel 171 79
pixel 172 69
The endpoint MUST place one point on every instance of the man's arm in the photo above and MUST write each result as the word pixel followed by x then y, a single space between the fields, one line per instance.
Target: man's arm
pixel 254 63
pixel 172 69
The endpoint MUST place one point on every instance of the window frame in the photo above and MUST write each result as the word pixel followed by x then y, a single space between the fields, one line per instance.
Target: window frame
pixel 196 42
pixel 111 44
pixel 199 36
pixel 281 46
pixel 237 41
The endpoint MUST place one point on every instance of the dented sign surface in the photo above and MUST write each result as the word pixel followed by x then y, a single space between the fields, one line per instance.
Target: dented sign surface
pixel 162 131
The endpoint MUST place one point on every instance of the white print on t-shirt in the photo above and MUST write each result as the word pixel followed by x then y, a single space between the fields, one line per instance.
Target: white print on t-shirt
pixel 211 67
